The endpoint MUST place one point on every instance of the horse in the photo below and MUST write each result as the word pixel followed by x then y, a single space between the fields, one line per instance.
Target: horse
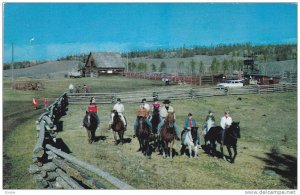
pixel 118 127
pixel 168 135
pixel 230 139
pixel 143 134
pixel 189 138
pixel 155 121
pixel 91 124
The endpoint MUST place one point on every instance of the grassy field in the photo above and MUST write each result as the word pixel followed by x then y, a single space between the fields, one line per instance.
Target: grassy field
pixel 268 140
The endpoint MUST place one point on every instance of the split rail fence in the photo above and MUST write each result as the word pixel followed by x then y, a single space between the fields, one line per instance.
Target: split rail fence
pixel 175 94
pixel 54 169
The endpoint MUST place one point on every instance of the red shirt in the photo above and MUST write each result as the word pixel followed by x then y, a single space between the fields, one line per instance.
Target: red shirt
pixel 93 108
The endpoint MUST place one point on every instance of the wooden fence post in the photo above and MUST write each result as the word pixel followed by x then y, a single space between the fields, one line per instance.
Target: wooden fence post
pixel 115 181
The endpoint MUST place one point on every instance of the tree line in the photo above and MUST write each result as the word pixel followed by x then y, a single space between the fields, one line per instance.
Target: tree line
pixel 261 53
pixel 279 52
pixel 192 67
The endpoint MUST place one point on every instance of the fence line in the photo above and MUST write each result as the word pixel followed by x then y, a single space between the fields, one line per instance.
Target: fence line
pixel 55 169
pixel 189 93
pixel 197 80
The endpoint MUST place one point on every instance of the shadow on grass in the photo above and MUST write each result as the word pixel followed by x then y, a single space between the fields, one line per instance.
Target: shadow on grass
pixel 60 126
pixel 284 165
pixel 125 141
pixel 218 153
pixel 100 138
pixel 60 144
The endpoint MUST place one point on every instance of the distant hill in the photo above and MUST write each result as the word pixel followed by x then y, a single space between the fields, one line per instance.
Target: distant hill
pixel 58 69
pixel 50 69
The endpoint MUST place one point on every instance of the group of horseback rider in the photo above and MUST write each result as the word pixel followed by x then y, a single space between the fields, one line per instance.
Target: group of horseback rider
pixel 144 110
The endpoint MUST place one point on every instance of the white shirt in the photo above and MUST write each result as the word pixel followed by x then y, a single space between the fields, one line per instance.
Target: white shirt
pixel 164 111
pixel 119 107
pixel 71 86
pixel 225 121
pixel 147 107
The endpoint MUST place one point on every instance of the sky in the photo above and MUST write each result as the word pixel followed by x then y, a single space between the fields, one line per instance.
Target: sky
pixel 47 31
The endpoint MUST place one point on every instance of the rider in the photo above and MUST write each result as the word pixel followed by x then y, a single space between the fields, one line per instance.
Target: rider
pixel 165 109
pixel 143 111
pixel 71 88
pixel 211 117
pixel 119 107
pixel 155 105
pixel 35 102
pixel 188 124
pixel 93 108
pixel 225 123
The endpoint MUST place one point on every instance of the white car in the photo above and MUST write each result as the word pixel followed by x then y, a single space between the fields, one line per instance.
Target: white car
pixel 231 83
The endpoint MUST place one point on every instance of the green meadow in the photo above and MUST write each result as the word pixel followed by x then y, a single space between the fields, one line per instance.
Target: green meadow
pixel 268 139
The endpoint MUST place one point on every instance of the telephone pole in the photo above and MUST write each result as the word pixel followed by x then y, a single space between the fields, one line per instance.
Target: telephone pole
pixel 12 62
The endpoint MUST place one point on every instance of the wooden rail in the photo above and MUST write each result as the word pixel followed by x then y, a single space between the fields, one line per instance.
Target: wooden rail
pixel 189 93
pixel 54 169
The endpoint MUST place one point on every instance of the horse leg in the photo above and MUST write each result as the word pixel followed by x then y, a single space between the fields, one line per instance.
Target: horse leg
pixel 115 137
pixel 140 143
pixel 89 136
pixel 93 133
pixel 171 149
pixel 190 151
pixel 213 144
pixel 121 137
pixel 148 150
pixel 235 153
pixel 164 149
pixel 222 152
pixel 229 152
pixel 196 151
pixel 182 149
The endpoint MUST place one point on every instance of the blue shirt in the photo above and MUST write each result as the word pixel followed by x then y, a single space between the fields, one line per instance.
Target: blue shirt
pixel 187 123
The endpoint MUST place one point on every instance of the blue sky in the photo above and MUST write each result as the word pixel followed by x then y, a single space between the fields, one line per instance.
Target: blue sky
pixel 47 31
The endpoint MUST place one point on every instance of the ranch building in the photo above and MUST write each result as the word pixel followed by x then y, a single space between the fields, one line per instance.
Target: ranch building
pixel 103 63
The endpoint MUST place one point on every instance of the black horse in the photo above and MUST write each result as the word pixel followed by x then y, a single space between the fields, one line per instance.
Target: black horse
pixel 118 127
pixel 155 121
pixel 91 124
pixel 230 139
pixel 144 136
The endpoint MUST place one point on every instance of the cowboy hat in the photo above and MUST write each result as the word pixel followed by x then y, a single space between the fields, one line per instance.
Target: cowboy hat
pixel 166 101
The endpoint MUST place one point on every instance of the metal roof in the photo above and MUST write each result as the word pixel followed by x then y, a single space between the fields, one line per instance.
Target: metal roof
pixel 107 59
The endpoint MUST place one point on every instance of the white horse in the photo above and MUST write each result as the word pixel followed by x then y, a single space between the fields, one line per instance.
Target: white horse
pixel 209 124
pixel 189 138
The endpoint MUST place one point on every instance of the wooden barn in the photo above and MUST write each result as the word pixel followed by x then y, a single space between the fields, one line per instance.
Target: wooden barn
pixel 103 63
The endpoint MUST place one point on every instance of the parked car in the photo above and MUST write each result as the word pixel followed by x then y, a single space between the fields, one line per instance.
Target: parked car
pixel 231 83
pixel 75 74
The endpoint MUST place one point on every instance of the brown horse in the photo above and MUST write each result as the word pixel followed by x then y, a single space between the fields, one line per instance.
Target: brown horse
pixel 168 135
pixel 118 127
